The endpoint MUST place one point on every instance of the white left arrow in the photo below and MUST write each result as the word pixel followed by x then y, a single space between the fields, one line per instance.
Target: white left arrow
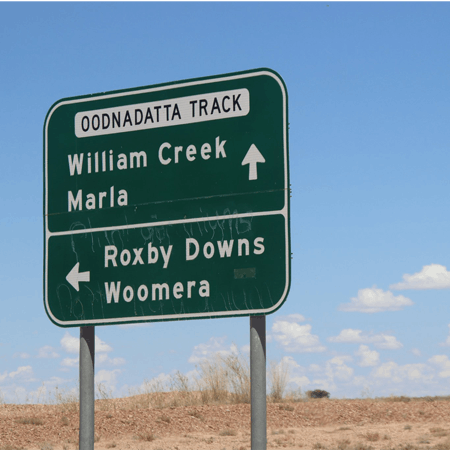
pixel 74 277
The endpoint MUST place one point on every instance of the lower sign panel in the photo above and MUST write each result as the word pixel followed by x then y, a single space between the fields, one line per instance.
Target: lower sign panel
pixel 211 268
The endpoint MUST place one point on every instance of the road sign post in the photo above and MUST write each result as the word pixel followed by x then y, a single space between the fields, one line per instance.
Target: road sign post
pixel 87 388
pixel 168 202
pixel 258 382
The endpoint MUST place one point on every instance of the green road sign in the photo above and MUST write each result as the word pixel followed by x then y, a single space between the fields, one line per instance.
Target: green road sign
pixel 168 202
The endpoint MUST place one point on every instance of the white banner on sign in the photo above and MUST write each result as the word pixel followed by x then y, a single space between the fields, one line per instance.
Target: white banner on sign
pixel 164 113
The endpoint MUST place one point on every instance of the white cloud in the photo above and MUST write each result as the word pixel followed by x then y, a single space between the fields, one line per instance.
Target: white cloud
pixel 368 357
pixel 388 343
pixel 213 346
pixel 101 346
pixel 103 358
pixel 245 349
pixel 21 355
pixel 108 378
pixel 24 371
pixel 399 374
pixel 47 352
pixel 23 374
pixel 334 373
pixel 447 341
pixel 159 383
pixel 71 344
pixel 348 336
pixel 443 364
pixel 69 362
pixel 372 300
pixel 296 338
pixel 433 276
pixel 296 374
pixel 416 352
pixel 300 381
pixel 336 368
pixel 351 336
pixel 292 318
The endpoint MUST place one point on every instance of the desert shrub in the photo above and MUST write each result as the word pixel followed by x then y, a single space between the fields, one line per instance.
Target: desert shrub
pixel 224 378
pixel 228 432
pixel 197 415
pixel 286 408
pixel 400 398
pixel 10 447
pixel 103 392
pixel 278 376
pixel 164 418
pixel 372 437
pixel 148 437
pixel 46 446
pixel 294 395
pixel 151 392
pixel 182 390
pixel 30 421
pixel 238 370
pixel 213 381
pixel 318 393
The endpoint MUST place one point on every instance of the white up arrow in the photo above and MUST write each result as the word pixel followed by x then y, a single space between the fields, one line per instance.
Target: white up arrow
pixel 253 157
pixel 74 277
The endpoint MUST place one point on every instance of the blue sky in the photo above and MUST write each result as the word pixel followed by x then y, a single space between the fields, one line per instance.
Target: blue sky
pixel 369 141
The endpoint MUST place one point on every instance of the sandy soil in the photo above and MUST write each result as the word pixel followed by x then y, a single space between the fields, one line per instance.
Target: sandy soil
pixel 314 424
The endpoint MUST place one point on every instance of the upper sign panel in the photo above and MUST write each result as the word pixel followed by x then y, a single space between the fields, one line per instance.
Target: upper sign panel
pixel 191 149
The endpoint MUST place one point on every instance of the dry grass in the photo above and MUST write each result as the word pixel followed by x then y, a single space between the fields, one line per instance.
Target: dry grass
pixel 164 418
pixel 438 432
pixel 197 415
pixel 286 408
pixel 46 446
pixel 220 380
pixel 147 437
pixel 103 392
pixel 10 447
pixel 30 421
pixel 372 437
pixel 228 432
pixel 405 399
pixel 345 444
pixel 278 377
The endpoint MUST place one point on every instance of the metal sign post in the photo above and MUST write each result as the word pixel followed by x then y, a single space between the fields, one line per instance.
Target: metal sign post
pixel 258 381
pixel 87 388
